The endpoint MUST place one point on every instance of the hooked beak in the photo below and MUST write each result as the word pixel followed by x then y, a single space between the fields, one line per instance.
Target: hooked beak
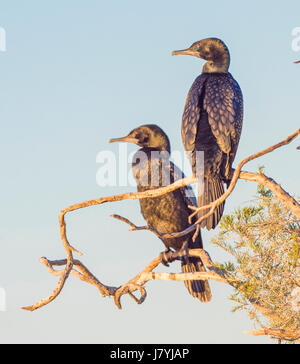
pixel 126 139
pixel 186 52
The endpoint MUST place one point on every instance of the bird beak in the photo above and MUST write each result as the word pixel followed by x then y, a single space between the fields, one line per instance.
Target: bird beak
pixel 126 139
pixel 186 52
pixel 297 62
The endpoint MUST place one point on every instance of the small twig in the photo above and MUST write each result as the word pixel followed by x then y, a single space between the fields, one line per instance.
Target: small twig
pixel 150 228
pixel 136 228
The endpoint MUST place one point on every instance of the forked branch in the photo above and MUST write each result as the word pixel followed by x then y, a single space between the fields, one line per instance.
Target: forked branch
pixel 75 267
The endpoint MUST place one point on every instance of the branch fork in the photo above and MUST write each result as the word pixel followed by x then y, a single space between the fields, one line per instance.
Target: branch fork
pixel 77 268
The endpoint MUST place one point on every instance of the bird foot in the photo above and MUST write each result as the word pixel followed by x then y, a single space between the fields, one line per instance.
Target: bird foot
pixel 168 256
pixel 227 177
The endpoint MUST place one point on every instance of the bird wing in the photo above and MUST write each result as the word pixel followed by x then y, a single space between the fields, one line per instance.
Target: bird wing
pixel 192 112
pixel 189 199
pixel 223 102
pixel 186 191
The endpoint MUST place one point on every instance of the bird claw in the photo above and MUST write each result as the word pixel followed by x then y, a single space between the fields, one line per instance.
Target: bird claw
pixel 165 257
pixel 168 256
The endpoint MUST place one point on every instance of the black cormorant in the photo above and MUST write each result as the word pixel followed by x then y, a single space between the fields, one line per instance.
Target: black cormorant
pixel 167 213
pixel 212 122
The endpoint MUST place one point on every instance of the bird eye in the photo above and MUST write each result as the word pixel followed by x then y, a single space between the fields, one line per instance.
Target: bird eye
pixel 196 48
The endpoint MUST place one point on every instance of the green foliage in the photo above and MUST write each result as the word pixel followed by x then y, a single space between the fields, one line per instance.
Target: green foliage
pixel 264 241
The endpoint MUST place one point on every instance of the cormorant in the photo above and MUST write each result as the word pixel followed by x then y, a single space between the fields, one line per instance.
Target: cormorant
pixel 167 213
pixel 212 122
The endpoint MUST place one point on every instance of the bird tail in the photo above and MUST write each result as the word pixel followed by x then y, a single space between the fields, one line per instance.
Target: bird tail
pixel 198 289
pixel 213 189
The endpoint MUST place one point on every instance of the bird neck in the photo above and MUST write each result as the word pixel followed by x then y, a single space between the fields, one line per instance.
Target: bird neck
pixel 220 66
pixel 165 150
pixel 219 61
pixel 160 144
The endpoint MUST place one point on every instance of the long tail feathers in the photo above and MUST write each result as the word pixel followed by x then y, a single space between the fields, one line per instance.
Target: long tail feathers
pixel 213 189
pixel 198 289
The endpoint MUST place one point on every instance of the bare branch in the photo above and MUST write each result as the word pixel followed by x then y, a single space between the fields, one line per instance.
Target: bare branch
pixel 136 228
pixel 132 195
pixel 138 282
pixel 150 228
pixel 85 276
pixel 283 196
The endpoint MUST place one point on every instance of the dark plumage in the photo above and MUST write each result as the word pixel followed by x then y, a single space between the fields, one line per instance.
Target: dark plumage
pixel 168 213
pixel 212 122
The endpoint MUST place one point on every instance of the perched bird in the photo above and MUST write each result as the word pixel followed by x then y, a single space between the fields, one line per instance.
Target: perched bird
pixel 168 213
pixel 212 122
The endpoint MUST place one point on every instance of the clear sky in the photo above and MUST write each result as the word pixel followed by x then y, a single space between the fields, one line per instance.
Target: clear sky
pixel 74 75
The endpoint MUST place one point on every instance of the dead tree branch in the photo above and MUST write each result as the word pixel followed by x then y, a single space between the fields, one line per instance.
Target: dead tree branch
pixel 75 267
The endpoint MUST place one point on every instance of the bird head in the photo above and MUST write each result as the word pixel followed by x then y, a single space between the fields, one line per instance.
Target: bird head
pixel 212 50
pixel 147 136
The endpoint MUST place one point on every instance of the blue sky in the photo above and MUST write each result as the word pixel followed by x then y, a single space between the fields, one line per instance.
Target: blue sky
pixel 76 74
